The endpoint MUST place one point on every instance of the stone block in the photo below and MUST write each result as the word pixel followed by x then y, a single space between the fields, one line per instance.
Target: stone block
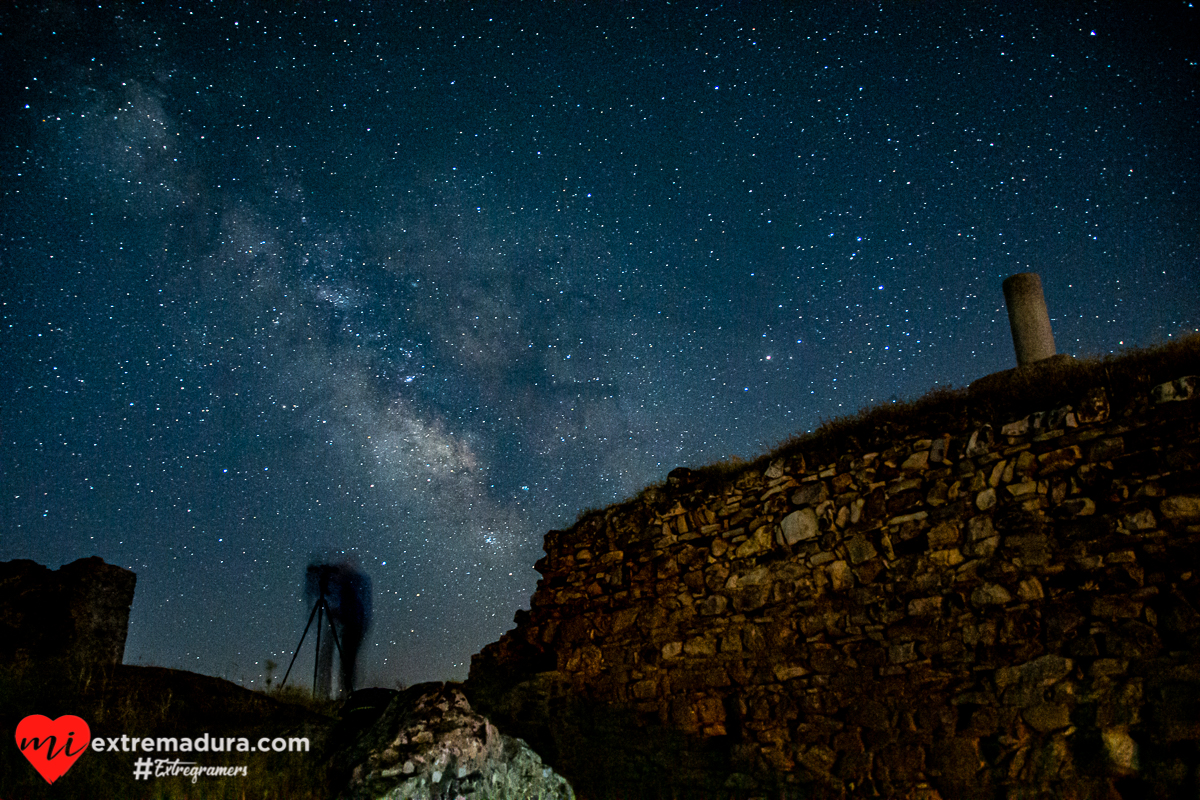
pixel 1030 589
pixel 799 526
pixel 1121 750
pixel 1184 388
pixel 750 598
pixel 810 494
pixel 1045 670
pixel 713 605
pixel 843 517
pixel 1139 521
pixel 1016 428
pixel 990 594
pixel 925 606
pixel 753 639
pixel 956 758
pixel 980 527
pixel 856 509
pixel 980 442
pixel 1105 449
pixel 1046 717
pixel 842 483
pixel 700 646
pixel 710 711
pixel 902 485
pixel 858 549
pixel 758 542
pixel 1059 460
pixel 1114 607
pixel 950 557
pixel 1079 506
pixel 906 518
pixel 683 715
pixel 868 571
pixel 786 673
pixel 1181 508
pixel 938 494
pixel 1002 472
pixel 840 576
pixel 1022 489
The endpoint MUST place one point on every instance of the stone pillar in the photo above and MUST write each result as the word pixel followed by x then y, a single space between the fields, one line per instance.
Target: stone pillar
pixel 1027 316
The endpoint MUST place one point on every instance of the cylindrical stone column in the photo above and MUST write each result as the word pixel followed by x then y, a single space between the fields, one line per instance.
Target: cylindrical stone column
pixel 1033 339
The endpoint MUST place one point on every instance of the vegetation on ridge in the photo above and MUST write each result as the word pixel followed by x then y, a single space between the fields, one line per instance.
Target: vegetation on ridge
pixel 1004 396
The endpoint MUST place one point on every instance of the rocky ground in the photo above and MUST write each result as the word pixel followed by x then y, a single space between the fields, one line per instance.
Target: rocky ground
pixel 428 744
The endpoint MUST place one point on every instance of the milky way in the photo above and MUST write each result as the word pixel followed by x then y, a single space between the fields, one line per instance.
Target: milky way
pixel 413 284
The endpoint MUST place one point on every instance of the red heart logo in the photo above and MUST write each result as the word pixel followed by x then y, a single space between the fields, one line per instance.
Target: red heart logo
pixel 53 745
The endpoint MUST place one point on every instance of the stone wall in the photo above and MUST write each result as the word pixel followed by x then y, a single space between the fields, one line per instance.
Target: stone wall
pixel 76 615
pixel 961 607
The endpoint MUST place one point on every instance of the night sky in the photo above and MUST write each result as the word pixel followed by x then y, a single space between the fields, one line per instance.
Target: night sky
pixel 409 285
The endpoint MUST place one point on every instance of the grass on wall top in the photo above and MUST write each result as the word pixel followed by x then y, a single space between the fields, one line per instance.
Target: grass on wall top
pixel 995 399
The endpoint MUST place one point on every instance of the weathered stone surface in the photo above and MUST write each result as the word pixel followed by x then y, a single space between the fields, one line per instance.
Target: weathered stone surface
pixel 799 526
pixel 1122 751
pixel 840 576
pixel 1181 508
pixel 810 494
pixel 990 594
pixel 759 542
pixel 1045 671
pixel 859 549
pixel 944 534
pixel 924 606
pixel 980 441
pixel 1030 589
pixel 1184 388
pixel 714 604
pixel 1079 506
pixel 957 760
pixel 1058 460
pixel 430 745
pixel 1046 717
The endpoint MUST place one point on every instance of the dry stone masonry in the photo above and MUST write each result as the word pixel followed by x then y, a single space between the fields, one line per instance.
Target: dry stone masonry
pixel 972 608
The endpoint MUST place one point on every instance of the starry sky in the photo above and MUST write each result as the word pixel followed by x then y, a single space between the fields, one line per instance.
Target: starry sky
pixel 410 284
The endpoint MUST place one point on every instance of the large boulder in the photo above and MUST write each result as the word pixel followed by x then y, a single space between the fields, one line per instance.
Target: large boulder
pixel 428 744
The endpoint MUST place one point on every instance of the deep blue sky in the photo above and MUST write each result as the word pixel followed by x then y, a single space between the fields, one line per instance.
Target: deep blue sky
pixel 419 282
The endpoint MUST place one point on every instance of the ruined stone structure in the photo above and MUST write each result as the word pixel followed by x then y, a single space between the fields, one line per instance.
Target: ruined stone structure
pixel 958 606
pixel 78 614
